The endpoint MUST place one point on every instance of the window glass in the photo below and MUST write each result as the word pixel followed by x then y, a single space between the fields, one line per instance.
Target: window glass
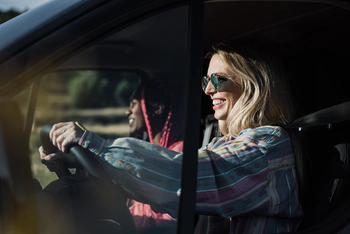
pixel 99 99
pixel 96 98
pixel 96 85
pixel 22 99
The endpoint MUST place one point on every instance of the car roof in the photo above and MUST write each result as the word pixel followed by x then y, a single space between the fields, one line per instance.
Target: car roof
pixel 285 22
pixel 295 25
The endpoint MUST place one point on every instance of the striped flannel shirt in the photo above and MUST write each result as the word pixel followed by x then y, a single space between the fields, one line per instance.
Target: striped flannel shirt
pixel 246 184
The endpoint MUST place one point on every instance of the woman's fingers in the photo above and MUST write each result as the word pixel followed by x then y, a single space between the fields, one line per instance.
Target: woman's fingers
pixel 58 130
pixel 49 160
pixel 57 160
pixel 64 134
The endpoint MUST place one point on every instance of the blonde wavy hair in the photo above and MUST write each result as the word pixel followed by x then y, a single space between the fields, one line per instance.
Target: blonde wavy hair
pixel 265 99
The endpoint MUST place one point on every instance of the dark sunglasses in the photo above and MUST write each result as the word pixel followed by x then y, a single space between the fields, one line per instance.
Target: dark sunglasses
pixel 214 79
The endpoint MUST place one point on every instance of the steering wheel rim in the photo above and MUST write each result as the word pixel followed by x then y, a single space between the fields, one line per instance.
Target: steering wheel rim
pixel 90 163
pixel 93 167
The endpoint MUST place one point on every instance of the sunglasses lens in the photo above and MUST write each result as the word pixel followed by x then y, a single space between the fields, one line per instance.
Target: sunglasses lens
pixel 204 83
pixel 214 81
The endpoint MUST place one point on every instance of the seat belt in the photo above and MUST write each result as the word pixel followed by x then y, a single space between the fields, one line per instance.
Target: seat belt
pixel 334 114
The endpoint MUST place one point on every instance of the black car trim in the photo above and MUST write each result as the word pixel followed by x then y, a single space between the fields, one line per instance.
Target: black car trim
pixel 193 100
pixel 329 115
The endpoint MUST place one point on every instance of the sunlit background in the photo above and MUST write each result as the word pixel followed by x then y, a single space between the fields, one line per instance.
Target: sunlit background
pixel 19 5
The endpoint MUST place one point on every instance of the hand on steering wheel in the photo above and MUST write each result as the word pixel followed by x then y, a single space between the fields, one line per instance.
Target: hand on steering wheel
pixel 57 160
pixel 63 135
pixel 117 208
pixel 69 143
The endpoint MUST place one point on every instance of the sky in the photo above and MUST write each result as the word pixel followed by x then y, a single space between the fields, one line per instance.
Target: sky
pixel 20 5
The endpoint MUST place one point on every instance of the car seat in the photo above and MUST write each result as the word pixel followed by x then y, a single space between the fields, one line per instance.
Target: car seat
pixel 328 207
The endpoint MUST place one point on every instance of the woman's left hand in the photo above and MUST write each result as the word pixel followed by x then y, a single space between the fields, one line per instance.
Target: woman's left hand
pixel 65 134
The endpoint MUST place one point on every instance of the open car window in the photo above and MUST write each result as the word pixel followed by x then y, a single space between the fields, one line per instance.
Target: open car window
pixel 94 85
pixel 96 98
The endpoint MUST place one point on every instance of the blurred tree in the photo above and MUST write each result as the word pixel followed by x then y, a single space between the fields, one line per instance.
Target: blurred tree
pixel 97 89
pixel 7 15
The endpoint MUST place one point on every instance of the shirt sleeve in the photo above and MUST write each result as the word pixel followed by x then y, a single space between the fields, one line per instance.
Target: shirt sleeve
pixel 151 174
pixel 251 173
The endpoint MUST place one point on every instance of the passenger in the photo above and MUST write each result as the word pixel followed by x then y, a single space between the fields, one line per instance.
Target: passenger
pixel 153 117
pixel 153 110
pixel 247 180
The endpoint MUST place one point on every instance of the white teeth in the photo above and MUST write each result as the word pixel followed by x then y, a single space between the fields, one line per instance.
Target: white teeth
pixel 217 102
pixel 131 121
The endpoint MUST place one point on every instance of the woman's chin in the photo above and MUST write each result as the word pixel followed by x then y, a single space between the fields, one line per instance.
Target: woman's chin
pixel 218 115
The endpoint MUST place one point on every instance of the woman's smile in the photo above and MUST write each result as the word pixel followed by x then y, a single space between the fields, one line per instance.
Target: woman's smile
pixel 227 93
pixel 218 103
pixel 131 121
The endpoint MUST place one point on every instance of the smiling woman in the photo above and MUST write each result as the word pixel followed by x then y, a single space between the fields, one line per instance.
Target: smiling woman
pixel 230 89
pixel 155 114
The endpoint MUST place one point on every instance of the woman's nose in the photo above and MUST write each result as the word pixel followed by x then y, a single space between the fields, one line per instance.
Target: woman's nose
pixel 209 89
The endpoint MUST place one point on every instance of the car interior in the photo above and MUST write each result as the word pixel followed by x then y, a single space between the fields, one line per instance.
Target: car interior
pixel 312 39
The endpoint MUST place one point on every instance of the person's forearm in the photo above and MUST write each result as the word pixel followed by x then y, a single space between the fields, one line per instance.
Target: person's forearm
pixel 150 173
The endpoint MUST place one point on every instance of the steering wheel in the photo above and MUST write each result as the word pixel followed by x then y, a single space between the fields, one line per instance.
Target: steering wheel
pixel 116 210
pixel 85 158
